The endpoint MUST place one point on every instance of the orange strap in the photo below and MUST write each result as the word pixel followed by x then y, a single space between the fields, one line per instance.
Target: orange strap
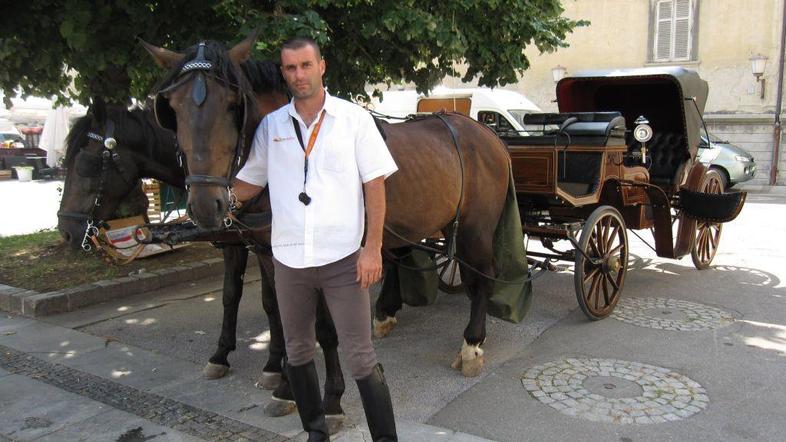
pixel 313 138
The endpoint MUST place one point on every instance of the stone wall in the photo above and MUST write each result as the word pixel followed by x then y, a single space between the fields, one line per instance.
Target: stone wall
pixel 754 133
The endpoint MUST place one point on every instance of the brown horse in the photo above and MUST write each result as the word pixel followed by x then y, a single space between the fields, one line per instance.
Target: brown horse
pixel 446 163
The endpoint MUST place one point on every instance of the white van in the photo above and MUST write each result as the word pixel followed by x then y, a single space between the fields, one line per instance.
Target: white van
pixel 501 110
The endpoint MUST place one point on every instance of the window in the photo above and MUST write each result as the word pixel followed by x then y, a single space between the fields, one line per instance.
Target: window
pixel 674 36
pixel 497 122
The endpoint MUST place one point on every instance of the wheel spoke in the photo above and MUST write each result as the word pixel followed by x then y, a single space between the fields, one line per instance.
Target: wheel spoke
pixel 613 283
pixel 605 294
pixel 594 246
pixel 590 275
pixel 614 233
pixel 592 289
pixel 616 249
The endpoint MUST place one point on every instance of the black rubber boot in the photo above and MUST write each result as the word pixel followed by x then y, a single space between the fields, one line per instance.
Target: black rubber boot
pixel 304 382
pixel 375 396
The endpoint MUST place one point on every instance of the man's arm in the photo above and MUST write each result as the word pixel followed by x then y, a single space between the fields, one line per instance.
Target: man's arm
pixel 369 267
pixel 244 191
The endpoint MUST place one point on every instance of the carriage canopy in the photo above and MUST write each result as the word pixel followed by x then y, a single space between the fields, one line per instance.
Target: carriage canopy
pixel 663 95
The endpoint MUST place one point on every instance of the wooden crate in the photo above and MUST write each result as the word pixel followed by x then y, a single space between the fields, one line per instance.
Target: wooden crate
pixel 152 189
pixel 5 174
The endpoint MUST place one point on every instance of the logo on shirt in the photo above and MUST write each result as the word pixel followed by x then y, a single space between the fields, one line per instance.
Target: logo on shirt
pixel 279 139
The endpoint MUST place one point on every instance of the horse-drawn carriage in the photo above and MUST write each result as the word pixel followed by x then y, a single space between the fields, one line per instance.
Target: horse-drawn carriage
pixel 596 169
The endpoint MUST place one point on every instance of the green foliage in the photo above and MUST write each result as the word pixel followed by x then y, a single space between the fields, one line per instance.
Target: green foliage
pixel 76 49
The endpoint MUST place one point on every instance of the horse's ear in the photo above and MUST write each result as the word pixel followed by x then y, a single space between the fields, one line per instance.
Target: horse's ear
pixel 242 51
pixel 164 57
pixel 98 109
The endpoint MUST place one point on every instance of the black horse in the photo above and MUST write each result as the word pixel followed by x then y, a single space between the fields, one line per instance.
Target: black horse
pixel 100 180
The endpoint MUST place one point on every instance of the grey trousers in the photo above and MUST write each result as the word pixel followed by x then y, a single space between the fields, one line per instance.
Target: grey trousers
pixel 297 291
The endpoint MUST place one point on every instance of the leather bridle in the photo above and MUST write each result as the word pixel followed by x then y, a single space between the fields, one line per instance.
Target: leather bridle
pixel 200 67
pixel 107 154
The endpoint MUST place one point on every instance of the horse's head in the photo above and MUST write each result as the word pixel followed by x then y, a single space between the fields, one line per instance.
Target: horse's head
pixel 209 102
pixel 102 177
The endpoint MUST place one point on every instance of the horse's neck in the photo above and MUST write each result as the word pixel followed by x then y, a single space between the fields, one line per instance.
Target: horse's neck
pixel 162 164
pixel 268 102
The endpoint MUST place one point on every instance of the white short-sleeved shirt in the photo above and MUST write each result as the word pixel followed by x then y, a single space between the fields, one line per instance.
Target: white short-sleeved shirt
pixel 348 152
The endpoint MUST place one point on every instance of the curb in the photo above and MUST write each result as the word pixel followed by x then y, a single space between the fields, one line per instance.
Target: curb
pixel 34 304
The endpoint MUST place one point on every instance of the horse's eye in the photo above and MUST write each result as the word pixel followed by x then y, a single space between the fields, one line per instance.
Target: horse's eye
pixel 232 107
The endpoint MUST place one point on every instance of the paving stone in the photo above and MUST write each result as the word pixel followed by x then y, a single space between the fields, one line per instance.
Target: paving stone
pixel 159 410
pixel 659 386
pixel 695 317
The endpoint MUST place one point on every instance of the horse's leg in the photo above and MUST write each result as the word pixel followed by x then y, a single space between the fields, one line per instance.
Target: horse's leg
pixel 235 258
pixel 476 250
pixel 271 373
pixel 334 378
pixel 389 301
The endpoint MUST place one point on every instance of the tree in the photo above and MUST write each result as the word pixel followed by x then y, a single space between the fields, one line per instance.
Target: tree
pixel 49 43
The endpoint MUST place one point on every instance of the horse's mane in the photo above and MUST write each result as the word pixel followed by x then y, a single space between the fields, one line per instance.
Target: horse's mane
pixel 223 68
pixel 151 135
pixel 264 76
pixel 76 138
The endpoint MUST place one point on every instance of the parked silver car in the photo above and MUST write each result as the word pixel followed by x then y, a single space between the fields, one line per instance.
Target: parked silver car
pixel 734 163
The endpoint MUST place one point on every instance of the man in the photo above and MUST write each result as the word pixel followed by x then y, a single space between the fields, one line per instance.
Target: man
pixel 320 155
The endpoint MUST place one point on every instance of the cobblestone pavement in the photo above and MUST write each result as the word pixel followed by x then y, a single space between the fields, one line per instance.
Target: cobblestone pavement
pixel 613 391
pixel 670 314
pixel 160 410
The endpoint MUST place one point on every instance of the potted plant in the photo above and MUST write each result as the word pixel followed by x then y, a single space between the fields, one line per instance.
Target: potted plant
pixel 24 173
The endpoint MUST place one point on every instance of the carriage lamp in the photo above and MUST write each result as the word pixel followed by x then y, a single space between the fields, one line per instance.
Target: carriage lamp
pixel 758 63
pixel 110 143
pixel 642 133
pixel 558 73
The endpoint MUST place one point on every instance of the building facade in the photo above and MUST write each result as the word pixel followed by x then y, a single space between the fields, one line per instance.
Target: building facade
pixel 717 38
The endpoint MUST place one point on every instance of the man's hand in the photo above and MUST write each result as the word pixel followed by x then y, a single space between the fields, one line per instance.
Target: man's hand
pixel 370 260
pixel 369 267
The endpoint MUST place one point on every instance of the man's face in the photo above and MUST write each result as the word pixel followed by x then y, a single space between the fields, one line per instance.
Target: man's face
pixel 302 71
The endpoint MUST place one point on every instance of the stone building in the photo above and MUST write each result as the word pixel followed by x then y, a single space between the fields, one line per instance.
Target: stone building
pixel 717 38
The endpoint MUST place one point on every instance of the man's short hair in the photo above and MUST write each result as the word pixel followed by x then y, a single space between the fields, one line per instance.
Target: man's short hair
pixel 301 42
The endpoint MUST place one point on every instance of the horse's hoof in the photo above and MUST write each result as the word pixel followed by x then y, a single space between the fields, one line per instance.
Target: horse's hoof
pixel 269 381
pixel 473 367
pixel 214 371
pixel 384 327
pixel 471 360
pixel 456 364
pixel 334 422
pixel 279 407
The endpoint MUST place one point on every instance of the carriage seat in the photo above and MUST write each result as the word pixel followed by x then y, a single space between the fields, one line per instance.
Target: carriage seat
pixel 668 156
pixel 589 129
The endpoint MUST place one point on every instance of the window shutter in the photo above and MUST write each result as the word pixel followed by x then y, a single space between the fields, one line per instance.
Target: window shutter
pixel 663 32
pixel 682 25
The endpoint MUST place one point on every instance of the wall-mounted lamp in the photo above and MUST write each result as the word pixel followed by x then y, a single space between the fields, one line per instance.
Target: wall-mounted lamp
pixel 558 72
pixel 758 63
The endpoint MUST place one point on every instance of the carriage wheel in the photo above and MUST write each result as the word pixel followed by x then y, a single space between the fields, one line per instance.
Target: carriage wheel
pixel 707 233
pixel 449 276
pixel 599 280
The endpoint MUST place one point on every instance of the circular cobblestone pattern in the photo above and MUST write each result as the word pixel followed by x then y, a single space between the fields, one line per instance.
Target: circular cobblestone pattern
pixel 609 390
pixel 670 314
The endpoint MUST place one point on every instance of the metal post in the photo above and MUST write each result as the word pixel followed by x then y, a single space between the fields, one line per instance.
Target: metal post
pixel 779 101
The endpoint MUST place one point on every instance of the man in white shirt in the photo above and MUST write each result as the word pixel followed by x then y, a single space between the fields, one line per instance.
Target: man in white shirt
pixel 320 156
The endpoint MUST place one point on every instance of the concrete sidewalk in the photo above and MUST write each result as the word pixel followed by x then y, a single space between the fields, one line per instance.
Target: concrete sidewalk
pixel 687 355
pixel 60 384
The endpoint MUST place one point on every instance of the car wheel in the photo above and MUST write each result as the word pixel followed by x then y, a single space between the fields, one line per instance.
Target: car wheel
pixel 724 177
